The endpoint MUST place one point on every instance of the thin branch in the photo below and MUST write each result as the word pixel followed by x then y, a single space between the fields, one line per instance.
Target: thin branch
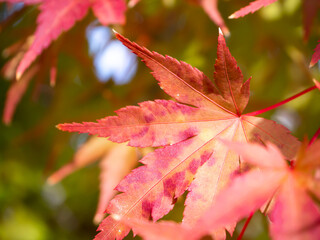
pixel 245 226
pixel 315 136
pixel 281 103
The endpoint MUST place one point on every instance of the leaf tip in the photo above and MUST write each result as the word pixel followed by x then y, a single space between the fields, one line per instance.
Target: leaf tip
pixel 226 32
pixel 52 84
pixel 115 32
pixel 220 32
pixel 18 75
pixel 232 16
pixel 97 218
pixel 53 76
pixel 311 64
pixel 59 126
pixel 316 83
pixel 51 181
pixel 6 120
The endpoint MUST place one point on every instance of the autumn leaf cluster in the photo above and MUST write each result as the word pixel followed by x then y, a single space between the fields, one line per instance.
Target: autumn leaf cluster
pixel 194 157
pixel 201 143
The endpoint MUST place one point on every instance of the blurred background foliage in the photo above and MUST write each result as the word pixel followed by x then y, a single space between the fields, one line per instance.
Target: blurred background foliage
pixel 96 76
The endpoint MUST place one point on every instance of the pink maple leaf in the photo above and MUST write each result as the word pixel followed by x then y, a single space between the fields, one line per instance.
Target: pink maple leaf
pixel 192 157
pixel 293 215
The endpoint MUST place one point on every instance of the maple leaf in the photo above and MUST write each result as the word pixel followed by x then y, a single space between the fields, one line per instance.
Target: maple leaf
pixel 188 132
pixel 117 161
pixel 294 215
pixel 54 18
pixel 132 3
pixel 57 16
pixel 226 209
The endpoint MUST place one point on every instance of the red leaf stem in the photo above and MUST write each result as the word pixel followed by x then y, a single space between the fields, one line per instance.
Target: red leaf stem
pixel 280 103
pixel 245 226
pixel 315 136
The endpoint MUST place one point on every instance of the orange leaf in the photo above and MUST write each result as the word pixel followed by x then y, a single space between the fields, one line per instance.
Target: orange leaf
pixel 88 153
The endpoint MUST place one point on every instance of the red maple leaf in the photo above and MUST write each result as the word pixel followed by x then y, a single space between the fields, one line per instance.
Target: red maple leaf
pixel 57 16
pixel 293 213
pixel 189 134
